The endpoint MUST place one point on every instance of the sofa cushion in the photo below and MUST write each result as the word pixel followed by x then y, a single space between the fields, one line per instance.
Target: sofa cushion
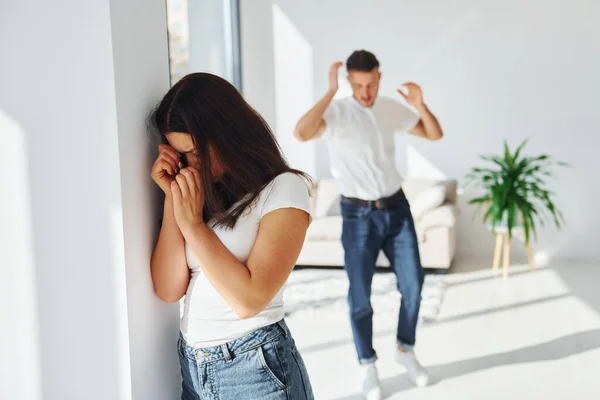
pixel 330 228
pixel 414 187
pixel 326 228
pixel 327 199
pixel 422 194
pixel 429 199
pixel 313 198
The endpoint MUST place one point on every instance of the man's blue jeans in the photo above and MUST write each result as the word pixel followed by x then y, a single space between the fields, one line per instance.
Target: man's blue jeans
pixel 367 230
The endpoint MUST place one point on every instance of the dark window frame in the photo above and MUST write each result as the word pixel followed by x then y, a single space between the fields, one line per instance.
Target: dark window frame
pixel 236 45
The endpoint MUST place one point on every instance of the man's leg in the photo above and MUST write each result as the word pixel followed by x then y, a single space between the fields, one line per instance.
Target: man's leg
pixel 402 249
pixel 361 239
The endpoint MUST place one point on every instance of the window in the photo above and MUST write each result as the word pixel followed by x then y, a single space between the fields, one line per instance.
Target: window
pixel 204 36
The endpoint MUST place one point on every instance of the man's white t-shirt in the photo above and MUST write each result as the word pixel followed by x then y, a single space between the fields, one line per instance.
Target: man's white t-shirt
pixel 361 145
pixel 208 320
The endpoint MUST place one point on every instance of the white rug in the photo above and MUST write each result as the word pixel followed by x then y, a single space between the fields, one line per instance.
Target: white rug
pixel 318 290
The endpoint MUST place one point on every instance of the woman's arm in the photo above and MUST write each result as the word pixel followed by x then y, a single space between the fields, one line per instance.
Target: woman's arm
pixel 170 273
pixel 248 290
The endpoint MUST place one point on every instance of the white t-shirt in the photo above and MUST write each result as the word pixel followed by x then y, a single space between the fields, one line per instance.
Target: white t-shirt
pixel 361 145
pixel 208 320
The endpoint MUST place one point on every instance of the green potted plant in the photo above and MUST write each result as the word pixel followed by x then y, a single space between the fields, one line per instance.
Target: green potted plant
pixel 515 194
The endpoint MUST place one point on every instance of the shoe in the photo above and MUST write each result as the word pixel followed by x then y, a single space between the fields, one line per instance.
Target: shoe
pixel 416 372
pixel 371 386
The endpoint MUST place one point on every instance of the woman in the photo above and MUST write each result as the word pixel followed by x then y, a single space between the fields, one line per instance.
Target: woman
pixel 234 221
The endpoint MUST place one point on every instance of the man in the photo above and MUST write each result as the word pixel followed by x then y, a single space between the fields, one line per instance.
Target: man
pixel 376 215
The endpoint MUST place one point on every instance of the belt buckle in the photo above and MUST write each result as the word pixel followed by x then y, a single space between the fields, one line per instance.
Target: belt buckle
pixel 379 204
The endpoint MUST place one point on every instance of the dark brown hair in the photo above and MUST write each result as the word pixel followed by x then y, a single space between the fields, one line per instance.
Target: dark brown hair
pixel 362 61
pixel 217 117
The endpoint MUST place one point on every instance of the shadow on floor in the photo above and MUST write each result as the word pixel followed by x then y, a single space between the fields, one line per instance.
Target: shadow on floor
pixel 425 325
pixel 556 349
pixel 494 276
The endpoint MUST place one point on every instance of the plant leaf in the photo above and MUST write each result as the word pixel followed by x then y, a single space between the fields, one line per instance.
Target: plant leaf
pixel 515 190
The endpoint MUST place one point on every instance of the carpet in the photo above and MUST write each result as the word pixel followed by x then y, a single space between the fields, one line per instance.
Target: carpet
pixel 320 290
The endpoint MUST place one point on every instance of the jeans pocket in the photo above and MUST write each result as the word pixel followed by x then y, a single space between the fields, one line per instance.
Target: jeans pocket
pixel 184 351
pixel 270 363
pixel 354 212
pixel 180 348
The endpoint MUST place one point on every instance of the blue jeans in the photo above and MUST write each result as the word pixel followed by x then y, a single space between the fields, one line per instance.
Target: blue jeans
pixel 366 231
pixel 264 364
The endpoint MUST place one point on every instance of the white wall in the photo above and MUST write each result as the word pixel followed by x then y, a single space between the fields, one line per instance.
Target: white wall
pixel 141 72
pixel 78 85
pixel 490 70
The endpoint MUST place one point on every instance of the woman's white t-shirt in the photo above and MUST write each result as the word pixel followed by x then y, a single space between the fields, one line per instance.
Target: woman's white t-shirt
pixel 208 320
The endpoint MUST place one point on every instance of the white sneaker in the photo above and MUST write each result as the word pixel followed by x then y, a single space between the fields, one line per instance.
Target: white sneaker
pixel 371 386
pixel 416 372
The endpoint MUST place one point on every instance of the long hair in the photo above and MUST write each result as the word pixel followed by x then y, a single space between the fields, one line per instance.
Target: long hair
pixel 220 121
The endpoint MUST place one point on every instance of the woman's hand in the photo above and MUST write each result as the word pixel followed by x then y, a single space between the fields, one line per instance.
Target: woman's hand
pixel 188 199
pixel 165 168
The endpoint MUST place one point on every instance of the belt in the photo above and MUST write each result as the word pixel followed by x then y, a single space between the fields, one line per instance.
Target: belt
pixel 382 203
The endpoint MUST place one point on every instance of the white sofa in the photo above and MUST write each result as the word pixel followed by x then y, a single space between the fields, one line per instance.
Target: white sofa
pixel 433 204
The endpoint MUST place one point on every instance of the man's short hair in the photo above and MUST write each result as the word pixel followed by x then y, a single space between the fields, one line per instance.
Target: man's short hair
pixel 362 61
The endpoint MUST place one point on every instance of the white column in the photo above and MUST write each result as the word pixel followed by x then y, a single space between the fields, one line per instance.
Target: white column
pixel 19 362
pixel 277 69
pixel 141 72
pixel 78 80
pixel 293 59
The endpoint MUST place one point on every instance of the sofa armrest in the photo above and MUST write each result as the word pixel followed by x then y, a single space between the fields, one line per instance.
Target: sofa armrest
pixel 451 190
pixel 443 216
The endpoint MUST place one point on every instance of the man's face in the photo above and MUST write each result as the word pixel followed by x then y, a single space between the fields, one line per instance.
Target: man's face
pixel 365 86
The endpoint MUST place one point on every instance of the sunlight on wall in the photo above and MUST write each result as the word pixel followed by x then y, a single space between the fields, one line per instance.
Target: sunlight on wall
pixel 120 284
pixel 417 166
pixel 344 88
pixel 542 258
pixel 293 57
pixel 19 349
pixel 547 253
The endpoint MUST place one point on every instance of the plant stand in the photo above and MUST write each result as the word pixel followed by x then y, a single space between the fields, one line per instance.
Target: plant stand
pixel 503 246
